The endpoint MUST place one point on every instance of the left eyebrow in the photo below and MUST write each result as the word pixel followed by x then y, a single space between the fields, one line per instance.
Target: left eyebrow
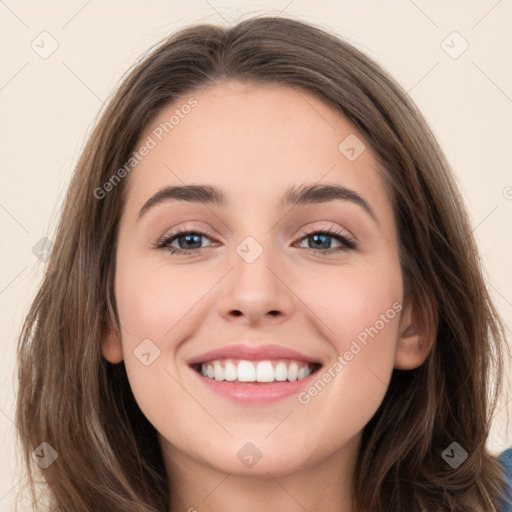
pixel 294 195
pixel 314 193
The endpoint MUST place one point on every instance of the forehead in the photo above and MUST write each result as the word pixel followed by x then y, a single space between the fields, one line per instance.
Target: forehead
pixel 254 141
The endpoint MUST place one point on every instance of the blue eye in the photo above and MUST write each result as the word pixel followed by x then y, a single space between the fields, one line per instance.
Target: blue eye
pixel 324 236
pixel 184 238
pixel 189 242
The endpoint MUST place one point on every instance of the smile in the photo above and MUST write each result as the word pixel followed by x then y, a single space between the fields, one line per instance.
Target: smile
pixel 235 370
pixel 254 374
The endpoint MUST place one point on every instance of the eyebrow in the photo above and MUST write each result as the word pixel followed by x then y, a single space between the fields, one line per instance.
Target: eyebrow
pixel 293 196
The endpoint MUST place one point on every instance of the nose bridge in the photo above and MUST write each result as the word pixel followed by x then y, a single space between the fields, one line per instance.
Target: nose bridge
pixel 253 263
pixel 256 285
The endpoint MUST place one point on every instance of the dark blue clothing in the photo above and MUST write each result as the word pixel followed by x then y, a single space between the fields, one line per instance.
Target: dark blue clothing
pixel 506 461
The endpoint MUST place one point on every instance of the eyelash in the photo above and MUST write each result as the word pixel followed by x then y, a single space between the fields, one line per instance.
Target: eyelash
pixel 348 243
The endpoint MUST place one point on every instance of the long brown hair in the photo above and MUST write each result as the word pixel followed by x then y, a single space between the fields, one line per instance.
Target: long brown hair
pixel 82 406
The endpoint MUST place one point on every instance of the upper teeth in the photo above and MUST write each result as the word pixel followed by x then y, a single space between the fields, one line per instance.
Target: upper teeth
pixel 252 371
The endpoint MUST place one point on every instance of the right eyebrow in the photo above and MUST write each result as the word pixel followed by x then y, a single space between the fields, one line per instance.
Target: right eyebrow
pixel 208 194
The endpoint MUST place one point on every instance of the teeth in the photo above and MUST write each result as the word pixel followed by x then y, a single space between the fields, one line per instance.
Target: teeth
pixel 281 372
pixel 251 371
pixel 246 372
pixel 293 370
pixel 265 372
pixel 230 372
pixel 218 371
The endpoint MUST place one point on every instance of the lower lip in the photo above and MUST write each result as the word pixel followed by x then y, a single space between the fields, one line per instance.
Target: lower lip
pixel 255 392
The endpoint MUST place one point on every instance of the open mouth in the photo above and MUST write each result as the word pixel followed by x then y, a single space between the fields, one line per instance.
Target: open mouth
pixel 257 372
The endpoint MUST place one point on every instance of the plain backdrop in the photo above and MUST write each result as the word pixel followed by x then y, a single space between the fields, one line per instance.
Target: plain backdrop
pixel 452 57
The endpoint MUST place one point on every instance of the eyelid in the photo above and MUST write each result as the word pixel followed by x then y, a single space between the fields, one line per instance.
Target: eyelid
pixel 304 231
pixel 185 229
pixel 347 240
pixel 333 228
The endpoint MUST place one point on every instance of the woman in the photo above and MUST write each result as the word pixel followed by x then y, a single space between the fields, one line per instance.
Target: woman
pixel 262 369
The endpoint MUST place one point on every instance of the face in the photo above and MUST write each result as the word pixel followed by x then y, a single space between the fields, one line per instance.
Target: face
pixel 257 287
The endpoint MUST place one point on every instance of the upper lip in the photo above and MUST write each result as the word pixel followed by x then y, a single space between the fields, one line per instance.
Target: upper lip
pixel 253 353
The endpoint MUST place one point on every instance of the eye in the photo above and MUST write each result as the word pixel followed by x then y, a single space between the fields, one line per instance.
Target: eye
pixel 323 237
pixel 188 241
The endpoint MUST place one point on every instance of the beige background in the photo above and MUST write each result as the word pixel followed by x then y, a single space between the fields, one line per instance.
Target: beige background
pixel 49 106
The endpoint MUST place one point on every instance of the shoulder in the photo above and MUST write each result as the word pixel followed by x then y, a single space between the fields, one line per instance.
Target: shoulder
pixel 505 459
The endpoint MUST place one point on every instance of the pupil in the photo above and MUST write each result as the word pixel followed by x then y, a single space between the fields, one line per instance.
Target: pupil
pixel 189 237
pixel 320 236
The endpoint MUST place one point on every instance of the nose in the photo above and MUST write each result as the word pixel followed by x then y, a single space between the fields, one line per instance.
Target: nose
pixel 257 293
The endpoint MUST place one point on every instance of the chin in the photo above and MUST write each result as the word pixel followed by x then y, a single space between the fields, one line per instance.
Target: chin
pixel 258 457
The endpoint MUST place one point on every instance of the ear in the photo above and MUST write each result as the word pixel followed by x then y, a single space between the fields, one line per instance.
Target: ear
pixel 417 332
pixel 111 346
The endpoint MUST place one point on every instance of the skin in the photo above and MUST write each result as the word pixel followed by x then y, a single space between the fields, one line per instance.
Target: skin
pixel 254 141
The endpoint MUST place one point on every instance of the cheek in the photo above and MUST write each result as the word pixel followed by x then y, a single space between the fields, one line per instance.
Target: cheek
pixel 353 301
pixel 156 308
pixel 362 313
pixel 152 301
